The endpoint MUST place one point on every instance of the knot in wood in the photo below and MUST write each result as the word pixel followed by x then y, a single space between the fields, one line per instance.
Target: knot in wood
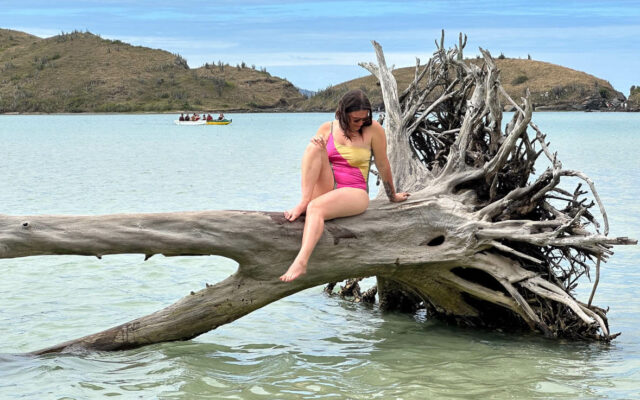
pixel 340 233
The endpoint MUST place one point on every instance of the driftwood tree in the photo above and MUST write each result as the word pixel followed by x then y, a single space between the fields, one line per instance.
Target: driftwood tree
pixel 480 241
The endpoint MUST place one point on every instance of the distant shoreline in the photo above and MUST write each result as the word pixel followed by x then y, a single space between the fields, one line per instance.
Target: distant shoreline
pixel 13 113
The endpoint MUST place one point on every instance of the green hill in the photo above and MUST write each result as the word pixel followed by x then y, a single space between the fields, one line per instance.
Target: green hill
pixel 552 87
pixel 81 72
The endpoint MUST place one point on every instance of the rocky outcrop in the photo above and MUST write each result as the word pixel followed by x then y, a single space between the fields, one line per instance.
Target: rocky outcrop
pixel 579 98
pixel 633 103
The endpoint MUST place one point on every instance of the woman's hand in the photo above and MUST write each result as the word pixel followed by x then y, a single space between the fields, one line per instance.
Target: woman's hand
pixel 399 197
pixel 393 196
pixel 319 141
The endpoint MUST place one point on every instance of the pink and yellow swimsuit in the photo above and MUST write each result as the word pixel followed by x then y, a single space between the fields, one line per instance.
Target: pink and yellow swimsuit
pixel 350 164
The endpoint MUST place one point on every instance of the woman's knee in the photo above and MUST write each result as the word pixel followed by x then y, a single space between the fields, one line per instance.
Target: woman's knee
pixel 314 149
pixel 315 208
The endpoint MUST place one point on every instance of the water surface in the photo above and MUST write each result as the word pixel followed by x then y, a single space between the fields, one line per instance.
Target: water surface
pixel 308 345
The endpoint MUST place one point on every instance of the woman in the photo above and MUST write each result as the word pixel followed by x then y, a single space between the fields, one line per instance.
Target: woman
pixel 335 169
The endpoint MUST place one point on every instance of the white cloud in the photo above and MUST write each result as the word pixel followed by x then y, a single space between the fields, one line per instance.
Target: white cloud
pixel 174 44
pixel 40 32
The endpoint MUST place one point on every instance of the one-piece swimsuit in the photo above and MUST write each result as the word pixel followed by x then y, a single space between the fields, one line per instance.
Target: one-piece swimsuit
pixel 350 164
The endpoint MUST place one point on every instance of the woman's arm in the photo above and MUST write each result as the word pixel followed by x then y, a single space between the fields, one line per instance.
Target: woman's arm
pixel 379 147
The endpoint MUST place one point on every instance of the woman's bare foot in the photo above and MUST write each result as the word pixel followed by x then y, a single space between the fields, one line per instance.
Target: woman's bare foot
pixel 295 270
pixel 295 212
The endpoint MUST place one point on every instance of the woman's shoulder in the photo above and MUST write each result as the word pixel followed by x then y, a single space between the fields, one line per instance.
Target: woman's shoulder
pixel 326 125
pixel 325 129
pixel 375 124
pixel 375 128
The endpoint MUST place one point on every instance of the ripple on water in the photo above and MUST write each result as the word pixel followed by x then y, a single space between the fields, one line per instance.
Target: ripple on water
pixel 308 345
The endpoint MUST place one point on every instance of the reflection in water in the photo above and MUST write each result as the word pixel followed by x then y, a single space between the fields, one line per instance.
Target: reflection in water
pixel 391 356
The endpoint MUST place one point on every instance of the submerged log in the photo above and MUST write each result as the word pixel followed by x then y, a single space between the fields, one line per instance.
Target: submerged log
pixel 480 241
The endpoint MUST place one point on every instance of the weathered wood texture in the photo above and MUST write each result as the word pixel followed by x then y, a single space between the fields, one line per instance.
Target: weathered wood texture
pixel 479 242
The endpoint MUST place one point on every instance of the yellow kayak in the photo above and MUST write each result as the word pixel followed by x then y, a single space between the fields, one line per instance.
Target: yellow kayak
pixel 219 122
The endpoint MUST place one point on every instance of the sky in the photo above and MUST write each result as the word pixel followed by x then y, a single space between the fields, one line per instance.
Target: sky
pixel 315 44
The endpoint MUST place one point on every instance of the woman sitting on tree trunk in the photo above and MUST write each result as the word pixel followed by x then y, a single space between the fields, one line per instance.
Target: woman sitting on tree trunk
pixel 335 170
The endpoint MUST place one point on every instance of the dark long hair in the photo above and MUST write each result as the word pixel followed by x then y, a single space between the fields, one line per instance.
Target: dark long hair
pixel 353 100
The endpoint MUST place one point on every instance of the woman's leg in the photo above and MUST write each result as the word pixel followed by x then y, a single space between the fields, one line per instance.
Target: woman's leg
pixel 317 178
pixel 337 203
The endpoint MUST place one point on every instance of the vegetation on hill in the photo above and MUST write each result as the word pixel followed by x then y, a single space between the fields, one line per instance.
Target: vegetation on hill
pixel 10 38
pixel 552 87
pixel 82 72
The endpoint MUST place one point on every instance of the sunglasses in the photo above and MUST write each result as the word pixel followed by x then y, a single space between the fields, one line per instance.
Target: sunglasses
pixel 358 120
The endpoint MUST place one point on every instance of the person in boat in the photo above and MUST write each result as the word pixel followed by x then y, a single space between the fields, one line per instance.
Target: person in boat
pixel 335 170
pixel 209 117
pixel 204 117
pixel 181 117
pixel 186 117
pixel 221 117
pixel 195 117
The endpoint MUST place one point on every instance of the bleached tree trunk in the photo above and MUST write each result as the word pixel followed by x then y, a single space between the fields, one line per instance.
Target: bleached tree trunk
pixel 479 241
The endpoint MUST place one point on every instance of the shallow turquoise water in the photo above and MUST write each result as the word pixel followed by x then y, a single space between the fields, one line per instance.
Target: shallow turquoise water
pixel 305 346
